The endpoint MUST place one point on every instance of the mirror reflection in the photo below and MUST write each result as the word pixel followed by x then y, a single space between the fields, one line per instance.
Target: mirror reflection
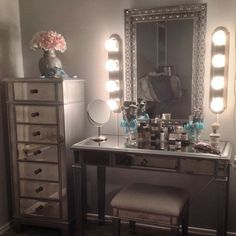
pixel 165 58
pixel 164 66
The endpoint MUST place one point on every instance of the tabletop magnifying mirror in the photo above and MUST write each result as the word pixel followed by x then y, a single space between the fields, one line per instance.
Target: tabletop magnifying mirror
pixel 98 114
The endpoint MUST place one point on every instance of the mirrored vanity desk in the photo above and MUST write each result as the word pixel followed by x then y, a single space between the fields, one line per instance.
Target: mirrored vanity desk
pixel 114 153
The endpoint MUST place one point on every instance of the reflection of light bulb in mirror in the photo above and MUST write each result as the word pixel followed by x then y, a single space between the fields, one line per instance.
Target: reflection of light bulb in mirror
pixel 113 104
pixel 112 65
pixel 219 38
pixel 218 61
pixel 112 86
pixel 217 82
pixel 112 45
pixel 217 104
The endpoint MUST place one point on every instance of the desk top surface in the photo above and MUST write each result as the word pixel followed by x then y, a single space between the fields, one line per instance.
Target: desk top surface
pixel 116 143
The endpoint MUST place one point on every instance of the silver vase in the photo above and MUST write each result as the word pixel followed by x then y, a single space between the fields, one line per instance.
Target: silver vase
pixel 49 63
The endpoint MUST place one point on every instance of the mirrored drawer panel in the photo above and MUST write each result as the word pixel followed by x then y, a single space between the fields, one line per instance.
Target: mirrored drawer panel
pixel 40 208
pixel 39 189
pixel 198 166
pixel 35 91
pixel 36 114
pixel 37 133
pixel 152 161
pixel 37 152
pixel 38 171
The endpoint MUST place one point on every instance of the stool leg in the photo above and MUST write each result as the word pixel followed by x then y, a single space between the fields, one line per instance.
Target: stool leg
pixel 116 226
pixel 185 220
pixel 132 227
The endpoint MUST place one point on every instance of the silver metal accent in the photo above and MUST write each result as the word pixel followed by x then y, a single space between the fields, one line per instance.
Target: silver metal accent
pixel 197 12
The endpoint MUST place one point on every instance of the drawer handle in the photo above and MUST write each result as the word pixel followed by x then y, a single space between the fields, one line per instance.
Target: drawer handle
pixel 32 91
pixel 39 170
pixel 36 133
pixel 144 162
pixel 34 114
pixel 40 207
pixel 37 152
pixel 39 189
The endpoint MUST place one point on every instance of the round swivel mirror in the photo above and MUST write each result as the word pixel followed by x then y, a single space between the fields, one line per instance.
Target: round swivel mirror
pixel 98 114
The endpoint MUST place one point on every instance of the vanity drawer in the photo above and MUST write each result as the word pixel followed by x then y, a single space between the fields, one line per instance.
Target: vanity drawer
pixel 37 152
pixel 38 171
pixel 39 189
pixel 200 167
pixel 37 133
pixel 40 208
pixel 149 161
pixel 35 114
pixel 34 91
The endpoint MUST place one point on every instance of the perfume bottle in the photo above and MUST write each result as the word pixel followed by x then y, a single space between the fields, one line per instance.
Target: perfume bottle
pixel 215 136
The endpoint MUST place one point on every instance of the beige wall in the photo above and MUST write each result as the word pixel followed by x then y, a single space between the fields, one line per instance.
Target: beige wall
pixel 10 66
pixel 86 25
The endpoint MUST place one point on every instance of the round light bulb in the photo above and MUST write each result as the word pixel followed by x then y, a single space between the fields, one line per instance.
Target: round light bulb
pixel 112 45
pixel 217 82
pixel 112 86
pixel 113 104
pixel 219 38
pixel 217 104
pixel 112 65
pixel 218 61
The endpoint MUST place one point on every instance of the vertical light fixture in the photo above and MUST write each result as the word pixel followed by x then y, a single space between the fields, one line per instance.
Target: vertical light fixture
pixel 219 69
pixel 114 67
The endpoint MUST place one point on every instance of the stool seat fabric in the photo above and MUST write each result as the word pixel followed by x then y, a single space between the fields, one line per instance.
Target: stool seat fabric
pixel 162 200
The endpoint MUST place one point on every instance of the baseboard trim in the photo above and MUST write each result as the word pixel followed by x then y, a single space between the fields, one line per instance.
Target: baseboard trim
pixel 205 231
pixel 5 227
pixel 193 230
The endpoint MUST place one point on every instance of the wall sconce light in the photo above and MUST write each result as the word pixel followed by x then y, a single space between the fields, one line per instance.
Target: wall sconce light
pixel 219 69
pixel 114 66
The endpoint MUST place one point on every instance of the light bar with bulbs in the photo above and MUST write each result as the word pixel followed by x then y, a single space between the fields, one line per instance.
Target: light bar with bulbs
pixel 114 67
pixel 219 69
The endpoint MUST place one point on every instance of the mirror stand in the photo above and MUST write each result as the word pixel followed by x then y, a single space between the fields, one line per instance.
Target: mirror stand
pixel 99 137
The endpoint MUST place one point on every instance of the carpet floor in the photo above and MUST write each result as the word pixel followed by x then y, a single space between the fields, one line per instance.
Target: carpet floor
pixel 92 229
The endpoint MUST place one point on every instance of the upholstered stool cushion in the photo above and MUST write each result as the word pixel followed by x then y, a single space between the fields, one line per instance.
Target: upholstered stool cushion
pixel 147 198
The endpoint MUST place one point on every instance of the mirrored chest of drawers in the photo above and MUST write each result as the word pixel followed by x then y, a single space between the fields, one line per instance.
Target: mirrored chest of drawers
pixel 45 117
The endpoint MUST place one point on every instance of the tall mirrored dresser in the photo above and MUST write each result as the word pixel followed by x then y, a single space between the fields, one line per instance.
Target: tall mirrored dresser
pixel 45 117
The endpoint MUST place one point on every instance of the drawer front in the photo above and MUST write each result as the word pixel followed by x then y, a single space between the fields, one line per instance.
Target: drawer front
pixel 39 189
pixel 37 133
pixel 36 114
pixel 35 91
pixel 38 171
pixel 37 152
pixel 46 209
pixel 155 162
pixel 200 167
pixel 147 161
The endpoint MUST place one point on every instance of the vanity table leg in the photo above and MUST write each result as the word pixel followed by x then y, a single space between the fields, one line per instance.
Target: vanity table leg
pixel 83 194
pixel 79 172
pixel 222 211
pixel 101 188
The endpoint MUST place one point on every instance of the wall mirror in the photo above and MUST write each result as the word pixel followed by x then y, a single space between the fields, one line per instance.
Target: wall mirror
pixel 165 56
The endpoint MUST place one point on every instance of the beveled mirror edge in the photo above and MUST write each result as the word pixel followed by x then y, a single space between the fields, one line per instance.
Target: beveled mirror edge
pixel 197 12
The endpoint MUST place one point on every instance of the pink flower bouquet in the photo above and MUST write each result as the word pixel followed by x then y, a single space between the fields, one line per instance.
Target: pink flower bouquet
pixel 48 40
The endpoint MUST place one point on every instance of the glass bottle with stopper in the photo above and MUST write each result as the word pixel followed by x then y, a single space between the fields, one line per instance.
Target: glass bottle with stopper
pixel 215 136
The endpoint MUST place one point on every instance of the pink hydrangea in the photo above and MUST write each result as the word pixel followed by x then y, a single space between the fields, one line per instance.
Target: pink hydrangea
pixel 47 40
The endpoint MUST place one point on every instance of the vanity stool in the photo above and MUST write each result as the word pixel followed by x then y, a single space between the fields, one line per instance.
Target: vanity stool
pixel 151 204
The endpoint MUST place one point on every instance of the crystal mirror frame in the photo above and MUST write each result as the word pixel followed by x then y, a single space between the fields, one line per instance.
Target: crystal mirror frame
pixel 197 12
